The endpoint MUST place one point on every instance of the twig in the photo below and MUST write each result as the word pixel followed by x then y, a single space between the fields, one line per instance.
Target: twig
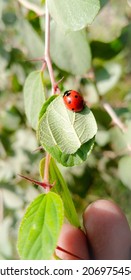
pixel 47 62
pixel 43 184
pixel 68 252
pixel 114 117
pixel 32 7
pixel 47 52
pixel 43 65
pixel 110 111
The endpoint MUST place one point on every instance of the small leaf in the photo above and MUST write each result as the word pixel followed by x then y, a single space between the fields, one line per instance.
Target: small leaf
pixel 115 26
pixel 102 138
pixel 108 76
pixel 124 171
pixel 66 129
pixel 33 97
pixel 120 141
pixel 61 188
pixel 40 227
pixel 31 39
pixel 71 52
pixel 74 15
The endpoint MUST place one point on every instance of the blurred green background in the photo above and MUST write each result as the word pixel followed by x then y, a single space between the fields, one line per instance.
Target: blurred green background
pixel 107 172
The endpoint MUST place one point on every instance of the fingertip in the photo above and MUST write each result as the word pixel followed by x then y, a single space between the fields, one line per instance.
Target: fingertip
pixel 107 230
pixel 74 241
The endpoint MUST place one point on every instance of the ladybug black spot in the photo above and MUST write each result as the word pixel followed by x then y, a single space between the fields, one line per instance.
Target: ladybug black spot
pixel 73 101
pixel 67 93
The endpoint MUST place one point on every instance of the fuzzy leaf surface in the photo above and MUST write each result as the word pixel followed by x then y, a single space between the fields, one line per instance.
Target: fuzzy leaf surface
pixel 66 130
pixel 61 188
pixel 40 227
pixel 71 52
pixel 74 15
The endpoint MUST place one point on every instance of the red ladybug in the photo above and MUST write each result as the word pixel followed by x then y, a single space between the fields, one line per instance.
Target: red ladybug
pixel 73 100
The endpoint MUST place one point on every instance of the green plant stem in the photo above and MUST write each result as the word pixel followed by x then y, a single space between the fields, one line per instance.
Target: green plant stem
pixel 46 171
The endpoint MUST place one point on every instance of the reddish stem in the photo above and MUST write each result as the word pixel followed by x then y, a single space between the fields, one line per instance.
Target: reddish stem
pixel 114 117
pixel 47 49
pixel 44 185
pixel 69 253
pixel 47 62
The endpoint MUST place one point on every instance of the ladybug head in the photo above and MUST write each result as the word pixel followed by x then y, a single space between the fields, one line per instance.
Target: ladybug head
pixel 67 93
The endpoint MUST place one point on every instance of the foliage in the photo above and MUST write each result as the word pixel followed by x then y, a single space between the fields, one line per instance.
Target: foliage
pixel 42 221
pixel 96 61
pixel 33 97
pixel 63 144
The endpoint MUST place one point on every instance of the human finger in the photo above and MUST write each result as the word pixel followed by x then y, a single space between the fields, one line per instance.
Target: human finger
pixel 107 231
pixel 72 244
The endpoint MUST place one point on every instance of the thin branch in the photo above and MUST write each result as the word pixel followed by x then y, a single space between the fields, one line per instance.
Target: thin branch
pixel 116 120
pixel 32 7
pixel 69 253
pixel 47 62
pixel 44 185
pixel 114 117
pixel 43 66
pixel 47 52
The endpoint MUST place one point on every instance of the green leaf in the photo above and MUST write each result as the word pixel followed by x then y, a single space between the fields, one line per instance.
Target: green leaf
pixel 104 30
pixel 108 76
pixel 106 51
pixel 124 171
pixel 67 130
pixel 112 47
pixel 33 97
pixel 45 105
pixel 31 39
pixel 73 159
pixel 40 227
pixel 74 15
pixel 61 189
pixel 71 52
pixel 102 138
pixel 120 141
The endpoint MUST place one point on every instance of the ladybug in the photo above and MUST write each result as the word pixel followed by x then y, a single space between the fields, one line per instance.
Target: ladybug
pixel 73 100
